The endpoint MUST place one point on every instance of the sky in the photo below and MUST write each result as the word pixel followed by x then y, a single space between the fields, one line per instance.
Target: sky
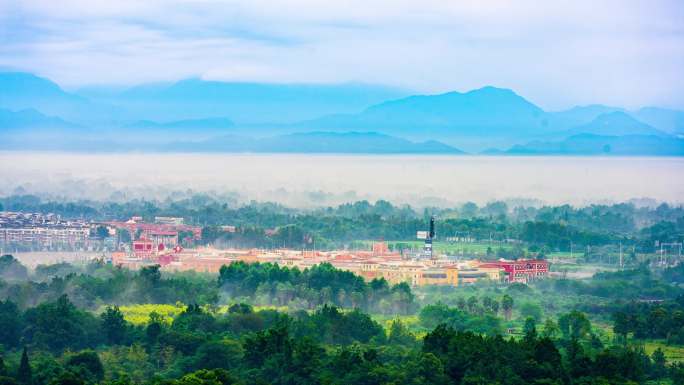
pixel 555 53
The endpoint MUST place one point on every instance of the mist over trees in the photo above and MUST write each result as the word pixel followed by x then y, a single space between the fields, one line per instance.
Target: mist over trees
pixel 67 324
pixel 543 229
pixel 261 323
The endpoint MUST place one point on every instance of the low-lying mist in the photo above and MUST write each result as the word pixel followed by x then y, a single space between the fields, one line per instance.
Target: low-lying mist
pixel 302 181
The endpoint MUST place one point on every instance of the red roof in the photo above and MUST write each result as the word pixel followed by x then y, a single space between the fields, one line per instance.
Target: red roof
pixel 161 232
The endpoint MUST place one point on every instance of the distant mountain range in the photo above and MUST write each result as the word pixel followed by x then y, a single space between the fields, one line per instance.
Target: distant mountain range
pixel 670 121
pixel 247 103
pixel 219 123
pixel 615 123
pixel 29 119
pixel 311 142
pixel 589 144
pixel 201 115
pixel 181 129
pixel 483 112
pixel 318 142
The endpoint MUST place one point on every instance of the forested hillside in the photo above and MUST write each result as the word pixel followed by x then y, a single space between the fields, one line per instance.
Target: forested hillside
pixel 71 324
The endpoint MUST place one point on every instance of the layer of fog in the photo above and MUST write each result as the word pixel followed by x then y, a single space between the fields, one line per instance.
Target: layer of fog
pixel 318 180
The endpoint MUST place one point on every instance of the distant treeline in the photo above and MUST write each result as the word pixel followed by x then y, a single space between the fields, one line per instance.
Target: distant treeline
pixel 548 228
pixel 638 283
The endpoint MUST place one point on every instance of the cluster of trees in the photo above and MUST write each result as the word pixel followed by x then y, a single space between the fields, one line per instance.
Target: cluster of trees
pixel 65 336
pixel 263 284
pixel 57 343
pixel 478 314
pixel 661 320
pixel 331 230
pixel 321 284
pixel 99 283
pixel 629 284
pixel 469 358
pixel 256 347
pixel 433 315
pixel 674 274
pixel 552 227
pixel 560 236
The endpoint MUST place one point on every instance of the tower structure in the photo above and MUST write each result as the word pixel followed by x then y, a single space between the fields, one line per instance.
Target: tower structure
pixel 428 239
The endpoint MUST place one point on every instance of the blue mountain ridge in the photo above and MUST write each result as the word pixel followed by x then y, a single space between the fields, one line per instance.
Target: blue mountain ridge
pixel 194 110
pixel 591 144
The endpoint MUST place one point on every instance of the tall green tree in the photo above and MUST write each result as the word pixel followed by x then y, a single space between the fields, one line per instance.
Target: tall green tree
pixel 24 374
pixel 530 329
pixel 574 325
pixel 87 364
pixel 507 306
pixel 3 368
pixel 113 325
pixel 11 324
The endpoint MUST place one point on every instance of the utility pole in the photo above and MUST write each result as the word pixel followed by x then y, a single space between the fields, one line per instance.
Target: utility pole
pixel 570 249
pixel 621 264
pixel 671 245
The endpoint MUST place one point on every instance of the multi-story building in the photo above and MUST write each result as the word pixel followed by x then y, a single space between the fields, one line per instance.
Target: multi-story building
pixel 169 230
pixel 443 276
pixel 41 231
pixel 144 248
pixel 521 270
pixel 167 239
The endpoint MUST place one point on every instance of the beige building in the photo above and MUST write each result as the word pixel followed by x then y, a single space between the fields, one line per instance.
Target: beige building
pixel 444 276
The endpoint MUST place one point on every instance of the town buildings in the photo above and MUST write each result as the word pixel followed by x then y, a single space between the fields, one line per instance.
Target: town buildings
pixel 377 263
pixel 41 231
pixel 160 243
pixel 165 230
pixel 21 231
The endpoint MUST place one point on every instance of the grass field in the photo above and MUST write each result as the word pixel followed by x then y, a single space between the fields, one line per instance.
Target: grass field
pixel 412 322
pixel 140 314
pixel 672 353
pixel 564 255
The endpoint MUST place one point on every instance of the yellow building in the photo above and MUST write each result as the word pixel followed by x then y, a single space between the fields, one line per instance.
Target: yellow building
pixel 400 274
pixel 493 273
pixel 447 276
pixel 474 274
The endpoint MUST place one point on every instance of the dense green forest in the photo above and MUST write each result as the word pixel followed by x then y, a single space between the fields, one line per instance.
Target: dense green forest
pixel 62 344
pixel 662 317
pixel 66 324
pixel 543 229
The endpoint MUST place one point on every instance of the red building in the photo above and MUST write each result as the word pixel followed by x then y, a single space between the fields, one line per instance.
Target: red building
pixel 143 248
pixel 147 229
pixel 522 270
pixel 169 239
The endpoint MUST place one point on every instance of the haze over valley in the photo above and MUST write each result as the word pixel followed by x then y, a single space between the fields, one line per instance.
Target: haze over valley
pixel 319 180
